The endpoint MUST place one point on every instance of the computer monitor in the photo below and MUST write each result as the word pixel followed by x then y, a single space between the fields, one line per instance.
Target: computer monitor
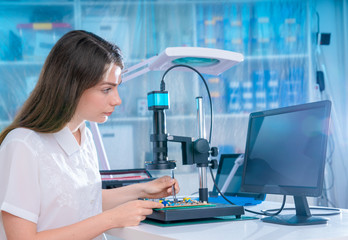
pixel 285 154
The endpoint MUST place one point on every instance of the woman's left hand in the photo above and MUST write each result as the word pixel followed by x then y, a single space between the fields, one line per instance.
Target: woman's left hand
pixel 160 188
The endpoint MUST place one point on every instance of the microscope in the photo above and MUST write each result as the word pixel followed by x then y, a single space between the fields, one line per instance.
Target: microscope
pixel 194 151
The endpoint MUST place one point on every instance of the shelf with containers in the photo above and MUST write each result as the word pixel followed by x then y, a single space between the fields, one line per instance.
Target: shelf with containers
pixel 261 30
pixel 30 28
pixel 275 38
pixel 28 31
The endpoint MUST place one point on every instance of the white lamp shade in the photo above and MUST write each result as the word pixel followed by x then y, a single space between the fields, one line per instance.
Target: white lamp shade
pixel 205 60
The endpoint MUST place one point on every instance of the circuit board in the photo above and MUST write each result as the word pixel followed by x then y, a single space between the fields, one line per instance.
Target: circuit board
pixel 184 203
pixel 189 209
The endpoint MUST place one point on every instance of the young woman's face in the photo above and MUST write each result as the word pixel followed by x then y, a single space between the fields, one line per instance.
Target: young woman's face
pixel 97 103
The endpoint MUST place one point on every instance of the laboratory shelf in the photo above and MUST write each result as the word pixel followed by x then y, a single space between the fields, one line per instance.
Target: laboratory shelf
pixel 117 3
pixel 35 3
pixel 177 118
pixel 277 57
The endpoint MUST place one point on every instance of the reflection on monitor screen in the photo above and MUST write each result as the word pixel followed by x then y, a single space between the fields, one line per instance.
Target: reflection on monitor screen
pixel 232 188
pixel 285 154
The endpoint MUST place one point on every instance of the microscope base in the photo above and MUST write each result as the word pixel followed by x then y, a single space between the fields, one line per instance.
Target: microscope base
pixel 171 215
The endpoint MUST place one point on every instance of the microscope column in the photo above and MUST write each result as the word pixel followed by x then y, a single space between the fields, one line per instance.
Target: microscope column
pixel 158 101
pixel 160 135
pixel 202 168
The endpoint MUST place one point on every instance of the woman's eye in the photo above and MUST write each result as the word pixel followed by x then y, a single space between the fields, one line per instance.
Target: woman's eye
pixel 106 90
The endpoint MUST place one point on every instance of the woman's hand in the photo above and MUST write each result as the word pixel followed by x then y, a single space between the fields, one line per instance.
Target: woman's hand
pixel 160 188
pixel 125 215
pixel 131 213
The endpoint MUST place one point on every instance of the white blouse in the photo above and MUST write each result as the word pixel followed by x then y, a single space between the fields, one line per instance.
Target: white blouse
pixel 48 178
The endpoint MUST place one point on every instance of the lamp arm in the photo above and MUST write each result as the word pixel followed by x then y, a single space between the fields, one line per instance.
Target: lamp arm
pixel 137 70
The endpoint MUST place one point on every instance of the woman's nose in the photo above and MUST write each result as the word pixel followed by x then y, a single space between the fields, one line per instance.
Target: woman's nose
pixel 116 100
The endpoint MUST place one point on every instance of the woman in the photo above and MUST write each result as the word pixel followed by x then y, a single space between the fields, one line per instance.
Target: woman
pixel 50 187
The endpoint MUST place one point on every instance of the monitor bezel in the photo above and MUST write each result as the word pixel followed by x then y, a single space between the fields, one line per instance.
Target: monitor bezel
pixel 289 190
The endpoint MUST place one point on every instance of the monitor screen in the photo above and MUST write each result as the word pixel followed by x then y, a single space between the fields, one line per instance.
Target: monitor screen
pixel 286 150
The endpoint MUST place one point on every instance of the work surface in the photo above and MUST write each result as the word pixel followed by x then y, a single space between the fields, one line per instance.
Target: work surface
pixel 336 228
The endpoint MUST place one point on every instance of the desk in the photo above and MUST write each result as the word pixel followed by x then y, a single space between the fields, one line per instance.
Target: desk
pixel 336 228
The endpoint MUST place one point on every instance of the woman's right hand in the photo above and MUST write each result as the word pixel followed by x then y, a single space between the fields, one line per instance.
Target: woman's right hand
pixel 131 213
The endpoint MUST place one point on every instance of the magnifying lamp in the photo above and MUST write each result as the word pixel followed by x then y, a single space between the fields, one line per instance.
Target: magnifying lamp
pixel 205 60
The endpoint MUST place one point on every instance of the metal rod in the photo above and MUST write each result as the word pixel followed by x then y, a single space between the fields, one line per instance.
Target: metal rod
pixel 200 118
pixel 202 171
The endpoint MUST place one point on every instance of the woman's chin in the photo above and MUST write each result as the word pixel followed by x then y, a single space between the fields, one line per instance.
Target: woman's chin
pixel 102 119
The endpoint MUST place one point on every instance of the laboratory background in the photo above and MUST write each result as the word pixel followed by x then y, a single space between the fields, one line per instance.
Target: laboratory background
pixel 295 51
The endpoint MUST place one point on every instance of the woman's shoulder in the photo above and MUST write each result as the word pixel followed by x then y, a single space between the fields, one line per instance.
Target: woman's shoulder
pixel 21 139
pixel 22 134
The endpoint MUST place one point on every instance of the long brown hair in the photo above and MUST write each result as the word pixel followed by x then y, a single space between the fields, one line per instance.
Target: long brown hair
pixel 77 62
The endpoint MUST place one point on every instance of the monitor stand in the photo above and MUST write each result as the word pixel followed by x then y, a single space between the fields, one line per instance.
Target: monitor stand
pixel 303 215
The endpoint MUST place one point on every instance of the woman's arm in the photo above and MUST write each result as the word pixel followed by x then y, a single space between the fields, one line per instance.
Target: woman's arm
pixel 159 188
pixel 128 214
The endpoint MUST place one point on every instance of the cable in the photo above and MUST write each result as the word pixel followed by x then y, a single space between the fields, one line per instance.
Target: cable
pixel 335 211
pixel 263 212
pixel 162 87
pixel 331 146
